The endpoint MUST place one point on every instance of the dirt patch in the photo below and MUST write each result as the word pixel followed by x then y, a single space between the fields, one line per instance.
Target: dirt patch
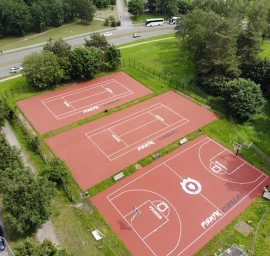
pixel 243 228
pixel 138 166
pixel 106 12
pixel 47 232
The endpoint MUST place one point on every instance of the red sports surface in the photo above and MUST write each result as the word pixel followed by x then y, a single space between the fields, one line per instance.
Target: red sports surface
pixel 184 199
pixel 52 110
pixel 99 149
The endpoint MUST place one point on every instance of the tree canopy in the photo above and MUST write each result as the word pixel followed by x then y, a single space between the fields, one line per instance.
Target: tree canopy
pixel 31 247
pixel 42 69
pixel 85 62
pixel 136 8
pixel 243 98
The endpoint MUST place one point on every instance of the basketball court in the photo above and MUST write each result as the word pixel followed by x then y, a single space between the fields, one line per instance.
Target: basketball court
pixel 55 109
pixel 177 204
pixel 99 149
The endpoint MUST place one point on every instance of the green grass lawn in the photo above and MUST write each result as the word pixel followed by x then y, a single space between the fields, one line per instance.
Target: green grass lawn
pixel 67 30
pixel 73 225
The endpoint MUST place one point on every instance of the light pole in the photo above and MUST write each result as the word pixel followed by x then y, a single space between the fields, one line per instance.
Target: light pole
pixel 8 245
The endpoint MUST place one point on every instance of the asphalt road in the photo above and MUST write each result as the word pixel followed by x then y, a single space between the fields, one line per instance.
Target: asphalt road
pixel 121 35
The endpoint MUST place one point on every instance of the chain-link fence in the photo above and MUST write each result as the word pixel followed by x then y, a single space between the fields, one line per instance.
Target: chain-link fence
pixel 186 85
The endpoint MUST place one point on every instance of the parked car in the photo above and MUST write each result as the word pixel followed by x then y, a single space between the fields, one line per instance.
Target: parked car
pixel 2 241
pixel 136 35
pixel 15 70
pixel 108 34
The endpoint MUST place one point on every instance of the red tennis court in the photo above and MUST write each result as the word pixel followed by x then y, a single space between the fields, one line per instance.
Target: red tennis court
pixel 177 204
pixel 56 109
pixel 99 149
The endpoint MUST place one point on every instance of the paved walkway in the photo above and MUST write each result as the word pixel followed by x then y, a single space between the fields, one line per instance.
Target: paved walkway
pixel 123 14
pixel 46 231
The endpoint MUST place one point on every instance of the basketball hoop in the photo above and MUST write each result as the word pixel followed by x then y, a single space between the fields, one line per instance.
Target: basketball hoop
pixel 237 147
pixel 137 214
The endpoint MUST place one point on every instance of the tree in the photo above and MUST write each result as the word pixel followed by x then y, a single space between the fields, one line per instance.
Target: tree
pixel 113 57
pixel 26 200
pixel 184 7
pixel 59 47
pixel 85 62
pixel 257 14
pixel 136 8
pixel 10 157
pixel 243 98
pixel 210 42
pixel 39 20
pixel 56 13
pixel 42 69
pixel 4 112
pixel 260 74
pixel 97 40
pixel 86 10
pixel 15 18
pixel 68 8
pixel 31 247
pixel 56 171
pixel 248 49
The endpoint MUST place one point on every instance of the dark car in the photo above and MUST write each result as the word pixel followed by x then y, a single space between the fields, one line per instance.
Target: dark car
pixel 2 241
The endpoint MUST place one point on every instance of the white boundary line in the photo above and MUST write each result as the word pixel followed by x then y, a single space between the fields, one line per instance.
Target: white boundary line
pixel 78 110
pixel 110 157
pixel 123 118
pixel 203 141
pixel 164 200
pixel 89 87
pixel 171 169
pixel 242 160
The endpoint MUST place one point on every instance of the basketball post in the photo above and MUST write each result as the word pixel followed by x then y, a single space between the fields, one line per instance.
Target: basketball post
pixel 237 148
pixel 137 214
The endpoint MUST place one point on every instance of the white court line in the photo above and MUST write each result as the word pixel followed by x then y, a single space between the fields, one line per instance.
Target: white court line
pixel 76 91
pixel 78 110
pixel 220 218
pixel 117 136
pixel 164 200
pixel 145 202
pixel 133 229
pixel 217 155
pixel 67 103
pixel 99 148
pixel 219 177
pixel 158 117
pixel 155 230
pixel 108 90
pixel 199 193
pixel 148 140
pixel 93 95
pixel 50 110
pixel 120 122
pixel 142 175
pixel 110 127
pixel 153 169
pixel 236 168
pixel 137 128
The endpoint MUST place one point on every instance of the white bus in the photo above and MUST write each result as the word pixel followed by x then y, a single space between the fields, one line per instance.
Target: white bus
pixel 172 20
pixel 154 22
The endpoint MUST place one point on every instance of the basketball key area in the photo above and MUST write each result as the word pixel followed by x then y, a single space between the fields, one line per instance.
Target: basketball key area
pixel 99 149
pixel 178 203
pixel 55 109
